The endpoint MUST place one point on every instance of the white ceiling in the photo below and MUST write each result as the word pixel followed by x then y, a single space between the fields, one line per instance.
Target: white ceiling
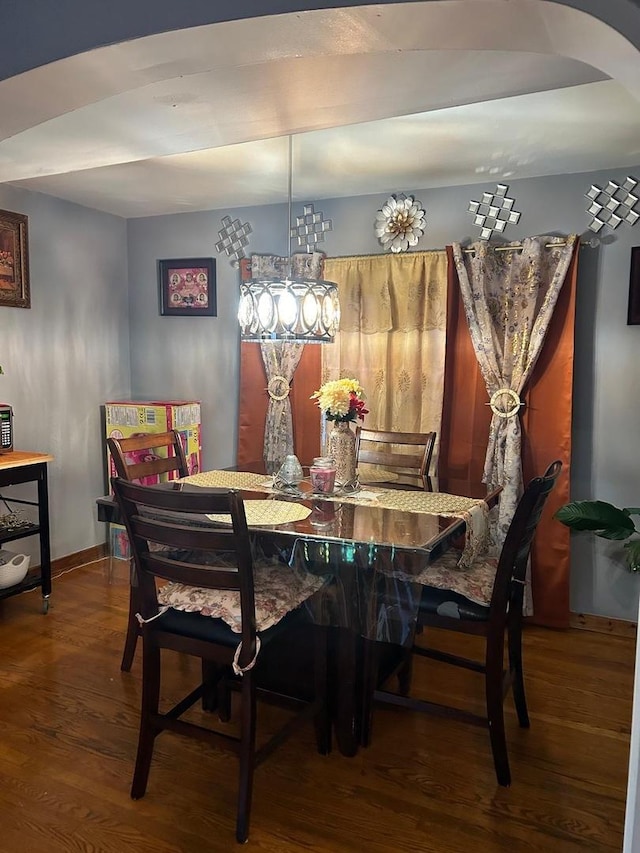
pixel 378 99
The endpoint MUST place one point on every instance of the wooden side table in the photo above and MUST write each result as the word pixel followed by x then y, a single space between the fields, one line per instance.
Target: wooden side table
pixel 21 466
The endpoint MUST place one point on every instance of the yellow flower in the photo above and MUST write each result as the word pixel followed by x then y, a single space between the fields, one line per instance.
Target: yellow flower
pixel 337 397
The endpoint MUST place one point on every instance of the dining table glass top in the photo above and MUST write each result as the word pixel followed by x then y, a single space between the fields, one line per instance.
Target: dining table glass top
pixel 400 513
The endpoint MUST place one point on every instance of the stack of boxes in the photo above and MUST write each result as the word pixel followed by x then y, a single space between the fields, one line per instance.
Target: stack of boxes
pixel 126 418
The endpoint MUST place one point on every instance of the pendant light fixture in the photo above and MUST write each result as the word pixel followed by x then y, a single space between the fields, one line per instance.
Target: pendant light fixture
pixel 298 310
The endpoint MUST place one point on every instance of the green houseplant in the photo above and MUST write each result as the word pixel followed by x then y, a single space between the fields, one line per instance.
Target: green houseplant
pixel 607 521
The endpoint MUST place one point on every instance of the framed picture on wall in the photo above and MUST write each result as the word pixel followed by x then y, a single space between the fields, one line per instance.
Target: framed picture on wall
pixel 14 260
pixel 633 314
pixel 188 287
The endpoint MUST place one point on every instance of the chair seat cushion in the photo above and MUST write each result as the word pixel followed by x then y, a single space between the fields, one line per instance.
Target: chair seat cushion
pixel 465 592
pixel 277 589
pixel 199 627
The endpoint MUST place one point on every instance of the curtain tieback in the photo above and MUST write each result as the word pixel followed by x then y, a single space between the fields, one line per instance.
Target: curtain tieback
pixel 278 388
pixel 497 403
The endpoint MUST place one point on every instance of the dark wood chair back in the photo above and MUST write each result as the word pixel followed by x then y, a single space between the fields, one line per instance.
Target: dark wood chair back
pixel 508 589
pixel 142 456
pixel 126 453
pixel 392 450
pixel 173 519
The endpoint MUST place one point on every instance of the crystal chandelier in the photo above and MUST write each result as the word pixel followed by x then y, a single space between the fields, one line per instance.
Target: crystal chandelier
pixel 298 310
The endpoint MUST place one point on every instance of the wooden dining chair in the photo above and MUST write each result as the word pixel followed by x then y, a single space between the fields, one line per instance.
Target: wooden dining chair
pixel 212 608
pixel 395 452
pixel 486 600
pixel 144 458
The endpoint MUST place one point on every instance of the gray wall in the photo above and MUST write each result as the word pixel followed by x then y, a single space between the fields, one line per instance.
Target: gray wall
pixel 67 354
pixel 198 357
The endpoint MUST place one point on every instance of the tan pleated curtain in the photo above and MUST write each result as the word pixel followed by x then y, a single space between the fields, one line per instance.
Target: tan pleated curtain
pixel 392 336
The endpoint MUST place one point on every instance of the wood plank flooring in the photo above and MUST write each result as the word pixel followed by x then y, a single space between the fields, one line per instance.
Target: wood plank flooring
pixel 68 730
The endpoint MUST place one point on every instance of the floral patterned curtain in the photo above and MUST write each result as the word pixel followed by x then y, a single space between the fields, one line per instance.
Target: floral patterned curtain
pixel 392 336
pixel 509 298
pixel 281 359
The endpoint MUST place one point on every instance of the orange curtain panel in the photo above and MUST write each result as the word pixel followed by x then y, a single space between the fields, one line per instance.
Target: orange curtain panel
pixel 546 424
pixel 254 400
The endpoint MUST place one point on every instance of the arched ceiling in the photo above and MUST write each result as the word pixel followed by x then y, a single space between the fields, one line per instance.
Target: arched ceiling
pixel 379 99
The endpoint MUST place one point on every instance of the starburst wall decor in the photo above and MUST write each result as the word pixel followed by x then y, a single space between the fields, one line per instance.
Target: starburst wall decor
pixel 400 223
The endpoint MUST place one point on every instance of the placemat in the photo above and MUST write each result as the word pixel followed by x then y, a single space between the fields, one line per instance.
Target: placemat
pixel 227 480
pixel 438 503
pixel 268 513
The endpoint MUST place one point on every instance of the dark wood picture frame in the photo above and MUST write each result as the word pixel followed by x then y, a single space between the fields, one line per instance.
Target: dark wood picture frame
pixel 633 313
pixel 187 287
pixel 14 260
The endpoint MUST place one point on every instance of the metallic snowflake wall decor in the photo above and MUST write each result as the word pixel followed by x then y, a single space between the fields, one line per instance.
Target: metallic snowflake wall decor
pixel 613 204
pixel 233 239
pixel 494 212
pixel 310 228
pixel 400 222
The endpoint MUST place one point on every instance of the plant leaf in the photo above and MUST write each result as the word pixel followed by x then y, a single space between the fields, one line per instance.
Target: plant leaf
pixel 602 518
pixel 632 510
pixel 633 554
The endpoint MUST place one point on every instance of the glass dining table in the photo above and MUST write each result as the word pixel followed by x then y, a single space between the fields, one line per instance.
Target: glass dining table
pixel 368 544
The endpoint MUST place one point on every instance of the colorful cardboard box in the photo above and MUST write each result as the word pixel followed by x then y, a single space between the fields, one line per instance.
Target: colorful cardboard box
pixel 124 418
pixel 119 542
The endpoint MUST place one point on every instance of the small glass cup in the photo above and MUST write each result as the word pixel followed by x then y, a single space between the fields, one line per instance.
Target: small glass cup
pixel 323 475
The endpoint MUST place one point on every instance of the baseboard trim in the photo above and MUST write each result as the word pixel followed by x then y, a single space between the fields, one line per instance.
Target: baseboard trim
pixel 603 625
pixel 80 558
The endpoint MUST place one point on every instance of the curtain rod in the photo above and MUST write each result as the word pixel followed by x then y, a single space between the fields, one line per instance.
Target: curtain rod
pixel 588 244
pixel 516 247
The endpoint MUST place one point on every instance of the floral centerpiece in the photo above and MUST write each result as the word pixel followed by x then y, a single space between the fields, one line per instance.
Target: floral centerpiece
pixel 342 401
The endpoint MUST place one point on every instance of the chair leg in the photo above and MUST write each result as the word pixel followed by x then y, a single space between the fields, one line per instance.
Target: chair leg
pixel 210 677
pixel 224 695
pixel 246 755
pixel 149 707
pixel 369 684
pixel 515 666
pixel 322 720
pixel 405 672
pixel 495 715
pixel 133 632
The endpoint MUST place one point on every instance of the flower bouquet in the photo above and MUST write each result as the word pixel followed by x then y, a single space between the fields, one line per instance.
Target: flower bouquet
pixel 341 400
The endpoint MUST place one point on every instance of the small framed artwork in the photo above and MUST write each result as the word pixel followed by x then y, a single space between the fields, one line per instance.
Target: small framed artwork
pixel 188 287
pixel 14 260
pixel 633 315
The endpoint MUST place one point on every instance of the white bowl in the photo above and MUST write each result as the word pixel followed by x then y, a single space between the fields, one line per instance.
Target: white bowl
pixel 13 568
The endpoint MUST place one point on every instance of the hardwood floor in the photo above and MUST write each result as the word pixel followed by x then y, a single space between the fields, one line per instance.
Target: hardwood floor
pixel 68 734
